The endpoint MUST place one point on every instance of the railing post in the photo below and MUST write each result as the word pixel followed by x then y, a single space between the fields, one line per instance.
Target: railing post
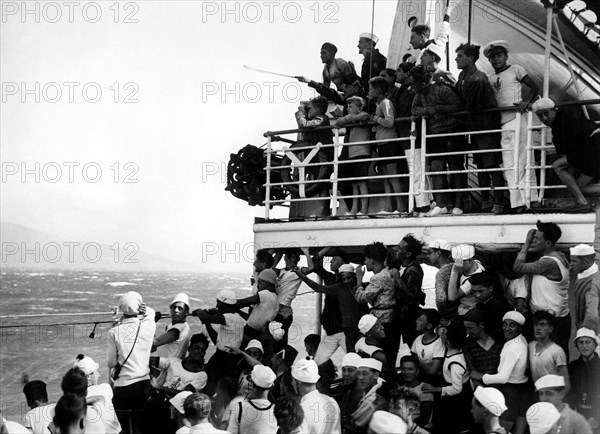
pixel 516 153
pixel 336 144
pixel 543 164
pixel 423 152
pixel 268 179
pixel 411 167
pixel 528 164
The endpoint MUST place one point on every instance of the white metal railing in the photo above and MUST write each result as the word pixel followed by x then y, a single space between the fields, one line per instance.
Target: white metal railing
pixel 411 193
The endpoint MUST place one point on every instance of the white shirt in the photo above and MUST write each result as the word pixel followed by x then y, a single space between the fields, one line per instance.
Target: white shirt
pixel 287 286
pixel 109 416
pixel 257 418
pixel 178 348
pixel 204 427
pixel 427 353
pixel 265 311
pixel 177 377
pixel 232 332
pixel 39 418
pixel 321 414
pixel 513 362
pixel 120 341
pixel 441 38
pixel 549 294
pixel 507 89
pixel 362 347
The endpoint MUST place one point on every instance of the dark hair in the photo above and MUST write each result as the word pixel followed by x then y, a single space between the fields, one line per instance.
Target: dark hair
pixel 227 387
pixel 75 382
pixel 422 74
pixel 320 103
pixel 456 333
pixel 481 279
pixel 265 257
pixel 410 359
pixel 405 393
pixel 414 246
pixel 288 412
pixel 542 315
pixel 292 251
pixel 393 258
pixel 406 57
pixel 551 231
pixel 470 50
pixel 342 254
pixel 389 71
pixel 313 340
pixel 433 316
pixel 376 251
pixel 406 67
pixel 422 29
pixel 379 84
pixel 35 390
pixel 199 338
pixel 475 315
pixel 69 409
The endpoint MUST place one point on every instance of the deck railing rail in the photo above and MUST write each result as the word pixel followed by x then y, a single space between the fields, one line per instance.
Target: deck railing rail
pixel 411 154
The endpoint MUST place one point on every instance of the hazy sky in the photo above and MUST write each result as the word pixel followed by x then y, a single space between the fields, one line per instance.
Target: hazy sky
pixel 124 114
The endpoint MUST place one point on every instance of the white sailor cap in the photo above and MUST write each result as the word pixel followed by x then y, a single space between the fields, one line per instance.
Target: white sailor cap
pixel 584 332
pixel 463 251
pixel 369 35
pixel 384 422
pixel 352 360
pixel 227 296
pixel 541 417
pixel 436 49
pixel 276 330
pixel 371 363
pixel 440 245
pixel 495 44
pixel 130 303
pixel 86 364
pixel 543 104
pixel 182 298
pixel 305 371
pixel 492 399
pixel 263 376
pixel 582 250
pixel 550 380
pixel 366 323
pixel 515 316
pixel 254 343
pixel 346 268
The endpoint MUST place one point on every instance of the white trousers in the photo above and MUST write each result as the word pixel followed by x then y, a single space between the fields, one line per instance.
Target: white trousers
pixel 517 197
pixel 328 346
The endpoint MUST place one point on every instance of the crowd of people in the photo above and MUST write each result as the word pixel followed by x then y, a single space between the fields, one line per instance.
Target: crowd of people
pixel 493 355
pixel 379 104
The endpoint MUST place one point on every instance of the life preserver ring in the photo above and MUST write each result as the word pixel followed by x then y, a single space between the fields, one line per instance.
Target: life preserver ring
pixel 314 187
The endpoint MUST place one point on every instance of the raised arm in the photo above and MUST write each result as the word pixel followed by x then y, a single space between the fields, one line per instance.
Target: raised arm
pixel 454 292
pixel 323 289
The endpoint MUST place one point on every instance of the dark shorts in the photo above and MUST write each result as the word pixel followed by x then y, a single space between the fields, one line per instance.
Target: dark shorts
pixel 587 160
pixel 358 169
pixel 390 149
pixel 447 144
pixel 131 397
pixel 481 142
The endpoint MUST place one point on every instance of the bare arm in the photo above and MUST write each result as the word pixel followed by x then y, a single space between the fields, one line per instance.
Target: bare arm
pixel 248 301
pixel 171 336
pixel 454 293
pixel 532 93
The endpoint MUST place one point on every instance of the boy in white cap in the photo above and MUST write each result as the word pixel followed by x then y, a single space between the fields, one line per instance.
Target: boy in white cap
pixel 542 418
pixel 511 378
pixel 321 412
pixel 368 345
pixel 584 373
pixel 465 266
pixel 129 347
pixel 368 382
pixel 384 422
pixel 586 289
pixel 95 391
pixel 374 61
pixel 229 335
pixel 352 393
pixel 551 388
pixel 577 141
pixel 507 81
pixel 255 416
pixel 440 256
pixel 176 338
pixel 487 406
pixel 251 357
pixel 549 278
pixel 432 56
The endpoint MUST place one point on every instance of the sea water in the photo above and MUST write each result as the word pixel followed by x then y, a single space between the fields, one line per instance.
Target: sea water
pixel 44 348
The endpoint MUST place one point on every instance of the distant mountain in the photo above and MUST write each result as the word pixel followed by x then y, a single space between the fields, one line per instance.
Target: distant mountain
pixel 27 247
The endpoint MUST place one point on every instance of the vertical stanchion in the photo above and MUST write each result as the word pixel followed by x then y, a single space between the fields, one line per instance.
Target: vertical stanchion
pixel 547 52
pixel 543 164
pixel 336 144
pixel 268 179
pixel 516 149
pixel 528 159
pixel 411 167
pixel 318 307
pixel 423 152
